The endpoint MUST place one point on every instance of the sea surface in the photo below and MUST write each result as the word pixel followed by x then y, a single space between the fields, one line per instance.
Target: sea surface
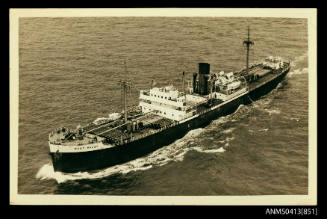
pixel 69 73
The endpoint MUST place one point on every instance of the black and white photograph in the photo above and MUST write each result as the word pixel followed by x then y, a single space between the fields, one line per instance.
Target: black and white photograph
pixel 208 104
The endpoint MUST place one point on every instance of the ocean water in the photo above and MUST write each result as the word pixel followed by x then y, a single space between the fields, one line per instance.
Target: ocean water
pixel 69 72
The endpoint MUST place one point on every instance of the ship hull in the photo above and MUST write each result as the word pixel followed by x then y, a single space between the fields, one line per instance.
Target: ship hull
pixel 98 159
pixel 258 92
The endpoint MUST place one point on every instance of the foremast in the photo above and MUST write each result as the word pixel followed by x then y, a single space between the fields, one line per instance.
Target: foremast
pixel 248 43
pixel 124 86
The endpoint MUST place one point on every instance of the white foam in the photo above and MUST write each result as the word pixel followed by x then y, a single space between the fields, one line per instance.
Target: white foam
pixel 239 107
pixel 263 130
pixel 228 139
pixel 260 104
pixel 47 172
pixel 220 120
pixel 297 119
pixel 273 111
pixel 298 72
pixel 193 133
pixel 219 150
pixel 180 156
pixel 230 130
pixel 299 59
pixel 297 62
pixel 279 85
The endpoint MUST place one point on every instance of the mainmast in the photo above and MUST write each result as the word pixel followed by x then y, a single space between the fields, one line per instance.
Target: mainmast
pixel 183 83
pixel 248 43
pixel 124 85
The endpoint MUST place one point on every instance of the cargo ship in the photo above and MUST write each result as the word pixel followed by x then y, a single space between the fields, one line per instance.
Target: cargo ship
pixel 163 115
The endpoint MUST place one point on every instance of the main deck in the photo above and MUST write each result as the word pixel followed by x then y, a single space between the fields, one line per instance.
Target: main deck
pixel 119 131
pixel 263 75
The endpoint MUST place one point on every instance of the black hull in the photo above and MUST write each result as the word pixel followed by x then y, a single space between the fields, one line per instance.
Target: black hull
pixel 85 161
pixel 269 86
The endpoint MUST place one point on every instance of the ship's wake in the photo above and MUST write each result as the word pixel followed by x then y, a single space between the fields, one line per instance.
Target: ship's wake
pixel 219 150
pixel 299 71
pixel 299 65
pixel 273 111
pixel 300 60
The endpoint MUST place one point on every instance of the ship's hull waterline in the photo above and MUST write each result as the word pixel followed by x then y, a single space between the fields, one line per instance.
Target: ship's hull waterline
pixel 98 159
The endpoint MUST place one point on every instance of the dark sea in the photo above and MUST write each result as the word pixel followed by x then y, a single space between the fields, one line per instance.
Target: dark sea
pixel 69 73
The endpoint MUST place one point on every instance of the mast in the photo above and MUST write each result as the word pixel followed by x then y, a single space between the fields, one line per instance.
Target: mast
pixel 211 88
pixel 183 81
pixel 248 43
pixel 124 85
pixel 125 101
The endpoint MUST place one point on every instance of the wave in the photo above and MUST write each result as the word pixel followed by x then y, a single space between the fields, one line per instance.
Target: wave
pixel 230 130
pixel 273 111
pixel 228 139
pixel 219 150
pixel 299 59
pixel 47 172
pixel 239 108
pixel 296 119
pixel 299 65
pixel 262 103
pixel 263 130
pixel 298 72
pixel 220 120
pixel 279 85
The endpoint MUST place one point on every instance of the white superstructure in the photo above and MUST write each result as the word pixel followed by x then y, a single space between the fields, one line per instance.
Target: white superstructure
pixel 273 62
pixel 168 102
